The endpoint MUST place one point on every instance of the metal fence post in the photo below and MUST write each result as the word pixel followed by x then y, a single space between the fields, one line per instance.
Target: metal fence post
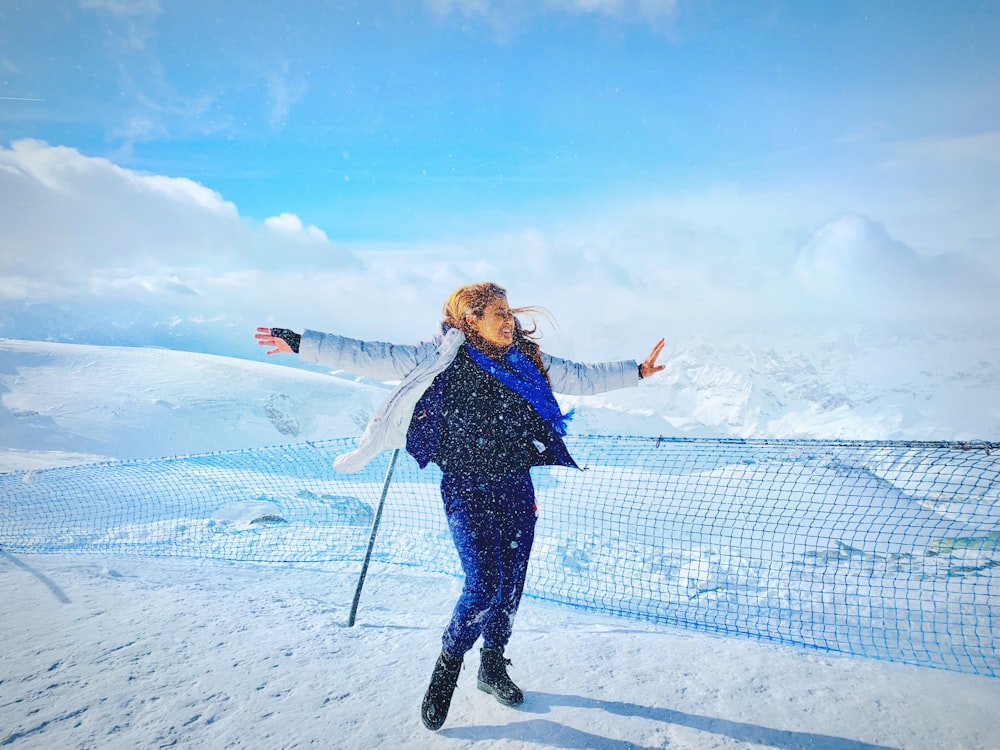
pixel 371 539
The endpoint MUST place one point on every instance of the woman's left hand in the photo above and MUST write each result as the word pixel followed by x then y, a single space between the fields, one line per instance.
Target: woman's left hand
pixel 649 366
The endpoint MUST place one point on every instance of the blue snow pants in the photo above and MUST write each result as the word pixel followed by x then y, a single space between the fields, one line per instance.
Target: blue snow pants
pixel 492 522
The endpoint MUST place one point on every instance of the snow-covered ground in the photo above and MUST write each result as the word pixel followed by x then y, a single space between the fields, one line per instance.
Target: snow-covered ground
pixel 120 652
pixel 108 652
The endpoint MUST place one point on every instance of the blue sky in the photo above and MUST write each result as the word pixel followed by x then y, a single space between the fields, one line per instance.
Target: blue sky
pixel 680 151
pixel 347 113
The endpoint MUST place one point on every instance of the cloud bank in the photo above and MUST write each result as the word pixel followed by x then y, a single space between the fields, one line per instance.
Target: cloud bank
pixel 90 247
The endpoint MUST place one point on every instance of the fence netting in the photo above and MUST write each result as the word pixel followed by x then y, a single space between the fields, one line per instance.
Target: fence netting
pixel 888 550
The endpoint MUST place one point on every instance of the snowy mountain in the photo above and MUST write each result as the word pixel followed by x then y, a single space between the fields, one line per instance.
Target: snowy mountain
pixel 852 386
pixel 80 402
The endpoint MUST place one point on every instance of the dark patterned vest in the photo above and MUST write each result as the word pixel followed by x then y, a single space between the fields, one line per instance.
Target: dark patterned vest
pixel 469 423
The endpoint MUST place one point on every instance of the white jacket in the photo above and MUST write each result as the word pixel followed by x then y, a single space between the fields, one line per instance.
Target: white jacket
pixel 417 366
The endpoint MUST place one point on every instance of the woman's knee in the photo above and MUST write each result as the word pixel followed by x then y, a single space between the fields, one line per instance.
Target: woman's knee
pixel 481 594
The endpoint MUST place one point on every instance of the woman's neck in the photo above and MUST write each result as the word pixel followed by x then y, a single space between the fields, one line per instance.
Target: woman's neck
pixel 490 350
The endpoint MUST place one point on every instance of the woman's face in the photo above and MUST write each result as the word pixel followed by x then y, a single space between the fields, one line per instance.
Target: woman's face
pixel 496 324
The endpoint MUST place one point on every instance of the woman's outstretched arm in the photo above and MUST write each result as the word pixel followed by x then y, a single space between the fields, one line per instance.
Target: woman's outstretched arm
pixel 373 359
pixel 584 379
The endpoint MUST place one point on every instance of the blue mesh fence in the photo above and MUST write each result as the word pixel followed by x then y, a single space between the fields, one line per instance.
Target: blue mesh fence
pixel 888 550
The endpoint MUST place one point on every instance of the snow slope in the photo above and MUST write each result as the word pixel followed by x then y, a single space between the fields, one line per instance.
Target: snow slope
pixel 125 402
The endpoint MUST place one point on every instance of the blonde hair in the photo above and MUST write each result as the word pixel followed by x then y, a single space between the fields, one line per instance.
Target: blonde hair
pixel 472 300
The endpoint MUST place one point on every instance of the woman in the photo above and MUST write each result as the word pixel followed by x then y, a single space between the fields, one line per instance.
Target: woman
pixel 477 401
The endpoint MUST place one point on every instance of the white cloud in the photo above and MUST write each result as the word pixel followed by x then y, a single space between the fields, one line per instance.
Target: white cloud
pixel 658 8
pixel 65 213
pixel 135 18
pixel 648 9
pixel 284 223
pixel 283 91
pixel 853 251
pixel 291 225
pixel 466 8
pixel 125 8
pixel 504 15
pixel 606 7
pixel 857 269
pixel 78 224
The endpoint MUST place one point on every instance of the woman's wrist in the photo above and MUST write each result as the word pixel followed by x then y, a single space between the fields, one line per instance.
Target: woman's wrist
pixel 289 337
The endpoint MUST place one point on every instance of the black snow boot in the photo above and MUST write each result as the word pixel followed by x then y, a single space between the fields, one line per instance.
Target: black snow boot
pixel 493 678
pixel 437 699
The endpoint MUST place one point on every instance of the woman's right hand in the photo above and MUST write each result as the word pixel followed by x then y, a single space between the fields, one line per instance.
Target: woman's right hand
pixel 283 340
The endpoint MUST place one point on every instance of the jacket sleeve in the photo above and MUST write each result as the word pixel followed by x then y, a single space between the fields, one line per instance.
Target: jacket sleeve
pixel 582 379
pixel 373 359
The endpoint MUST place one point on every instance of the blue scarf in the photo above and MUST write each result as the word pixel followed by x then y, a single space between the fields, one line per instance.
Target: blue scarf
pixel 527 382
